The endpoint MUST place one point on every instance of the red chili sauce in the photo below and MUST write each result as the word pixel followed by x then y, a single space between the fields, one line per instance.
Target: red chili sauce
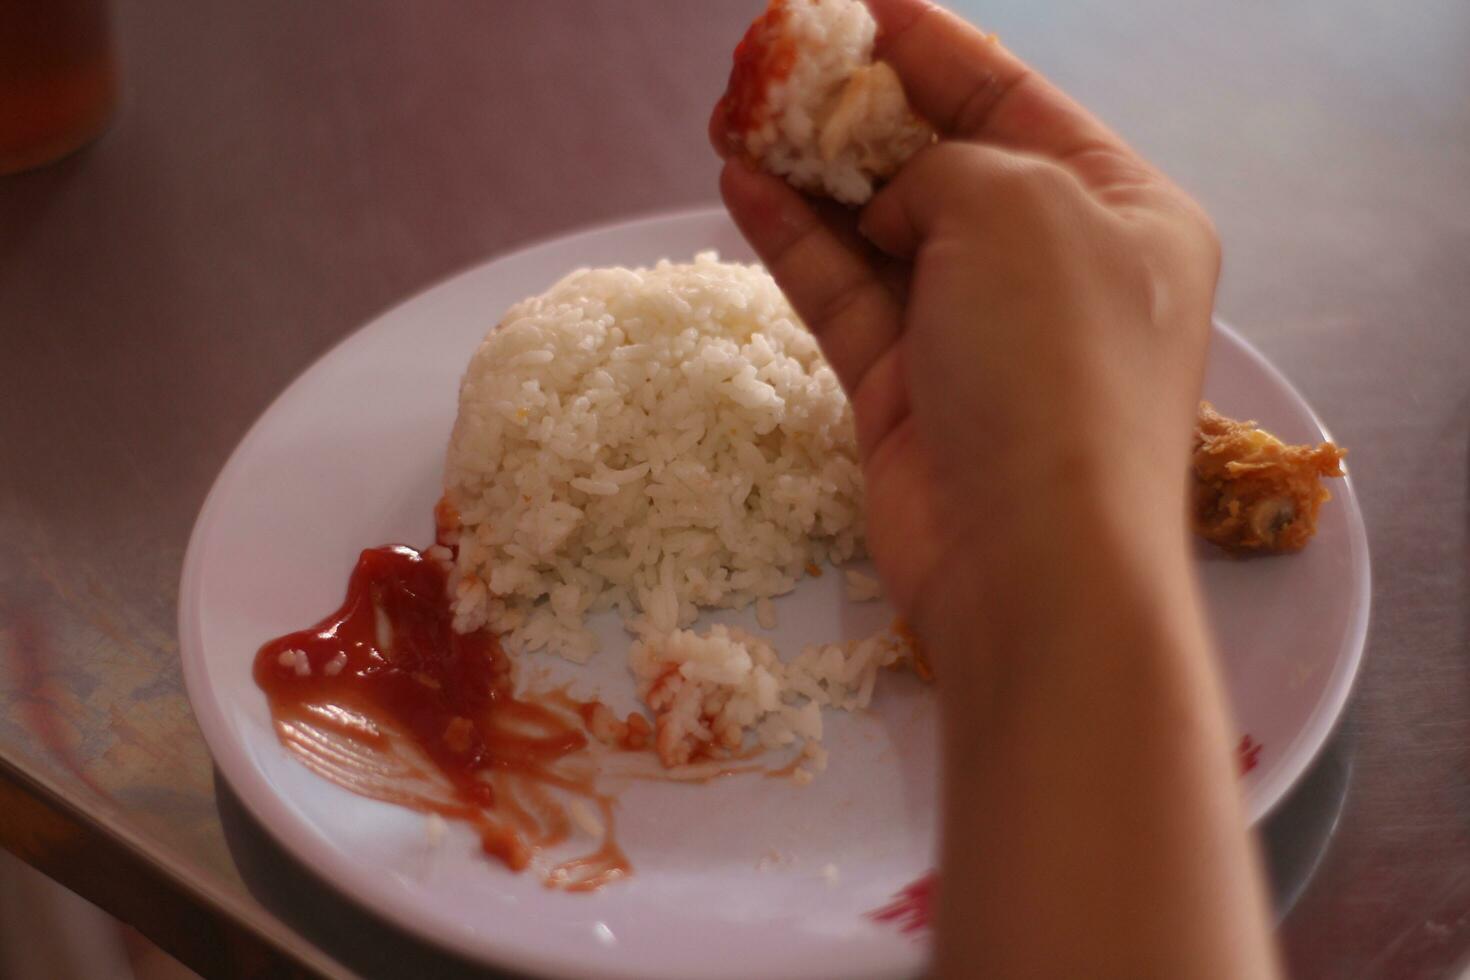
pixel 763 55
pixel 391 703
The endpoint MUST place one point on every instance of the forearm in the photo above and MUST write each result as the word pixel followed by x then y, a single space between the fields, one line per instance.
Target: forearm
pixel 1092 822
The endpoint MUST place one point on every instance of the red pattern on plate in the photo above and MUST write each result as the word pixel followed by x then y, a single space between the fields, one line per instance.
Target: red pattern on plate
pixel 1249 753
pixel 912 908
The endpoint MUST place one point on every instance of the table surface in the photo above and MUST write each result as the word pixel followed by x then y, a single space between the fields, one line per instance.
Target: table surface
pixel 281 172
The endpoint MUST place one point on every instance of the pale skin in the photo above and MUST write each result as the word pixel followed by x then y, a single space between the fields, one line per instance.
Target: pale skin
pixel 1020 319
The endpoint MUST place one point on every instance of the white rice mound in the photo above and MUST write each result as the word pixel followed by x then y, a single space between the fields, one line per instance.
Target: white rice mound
pixel 709 690
pixel 837 121
pixel 651 440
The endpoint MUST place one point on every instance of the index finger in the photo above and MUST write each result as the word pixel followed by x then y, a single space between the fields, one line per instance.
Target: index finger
pixel 968 86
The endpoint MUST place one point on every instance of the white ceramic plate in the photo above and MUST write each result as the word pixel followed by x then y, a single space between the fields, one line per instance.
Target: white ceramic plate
pixel 349 457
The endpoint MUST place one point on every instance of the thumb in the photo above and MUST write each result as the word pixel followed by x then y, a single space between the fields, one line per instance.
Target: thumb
pixel 953 182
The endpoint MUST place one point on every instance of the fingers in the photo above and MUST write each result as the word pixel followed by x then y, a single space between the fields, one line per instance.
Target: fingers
pixel 941 182
pixel 968 86
pixel 881 402
pixel 830 276
pixel 719 130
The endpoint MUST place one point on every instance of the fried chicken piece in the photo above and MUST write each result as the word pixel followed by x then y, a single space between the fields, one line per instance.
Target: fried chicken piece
pixel 1253 492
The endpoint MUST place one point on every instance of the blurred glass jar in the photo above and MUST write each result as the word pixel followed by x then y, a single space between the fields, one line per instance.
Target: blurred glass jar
pixel 58 79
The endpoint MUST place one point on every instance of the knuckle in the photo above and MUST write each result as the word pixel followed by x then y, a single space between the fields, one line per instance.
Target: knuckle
pixel 989 92
pixel 1201 233
pixel 1209 234
pixel 789 250
pixel 1050 182
pixel 841 303
pixel 942 160
pixel 961 164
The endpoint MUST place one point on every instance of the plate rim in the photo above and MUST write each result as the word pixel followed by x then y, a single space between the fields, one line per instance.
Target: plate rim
pixel 1307 746
pixel 271 814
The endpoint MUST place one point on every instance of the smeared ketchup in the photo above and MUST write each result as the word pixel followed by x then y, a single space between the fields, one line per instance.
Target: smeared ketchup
pixel 763 56
pixel 384 698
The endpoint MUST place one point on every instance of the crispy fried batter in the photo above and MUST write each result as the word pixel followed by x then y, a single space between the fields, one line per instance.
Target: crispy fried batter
pixel 1253 492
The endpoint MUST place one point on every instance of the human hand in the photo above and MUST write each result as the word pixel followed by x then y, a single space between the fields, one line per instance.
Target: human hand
pixel 1019 318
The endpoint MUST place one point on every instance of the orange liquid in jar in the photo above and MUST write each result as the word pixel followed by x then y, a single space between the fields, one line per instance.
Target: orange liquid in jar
pixel 58 79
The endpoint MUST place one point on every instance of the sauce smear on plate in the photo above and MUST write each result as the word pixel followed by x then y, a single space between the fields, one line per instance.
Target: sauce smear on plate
pixel 385 699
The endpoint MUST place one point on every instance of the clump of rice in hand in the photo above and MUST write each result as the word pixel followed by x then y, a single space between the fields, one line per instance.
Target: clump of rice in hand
pixel 651 440
pixel 807 102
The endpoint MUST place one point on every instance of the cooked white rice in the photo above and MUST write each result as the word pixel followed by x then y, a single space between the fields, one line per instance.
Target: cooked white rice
pixel 650 440
pixel 837 120
pixel 765 613
pixel 860 587
pixel 709 690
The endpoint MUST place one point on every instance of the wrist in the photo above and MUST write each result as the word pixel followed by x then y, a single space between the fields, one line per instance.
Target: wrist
pixel 1064 562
